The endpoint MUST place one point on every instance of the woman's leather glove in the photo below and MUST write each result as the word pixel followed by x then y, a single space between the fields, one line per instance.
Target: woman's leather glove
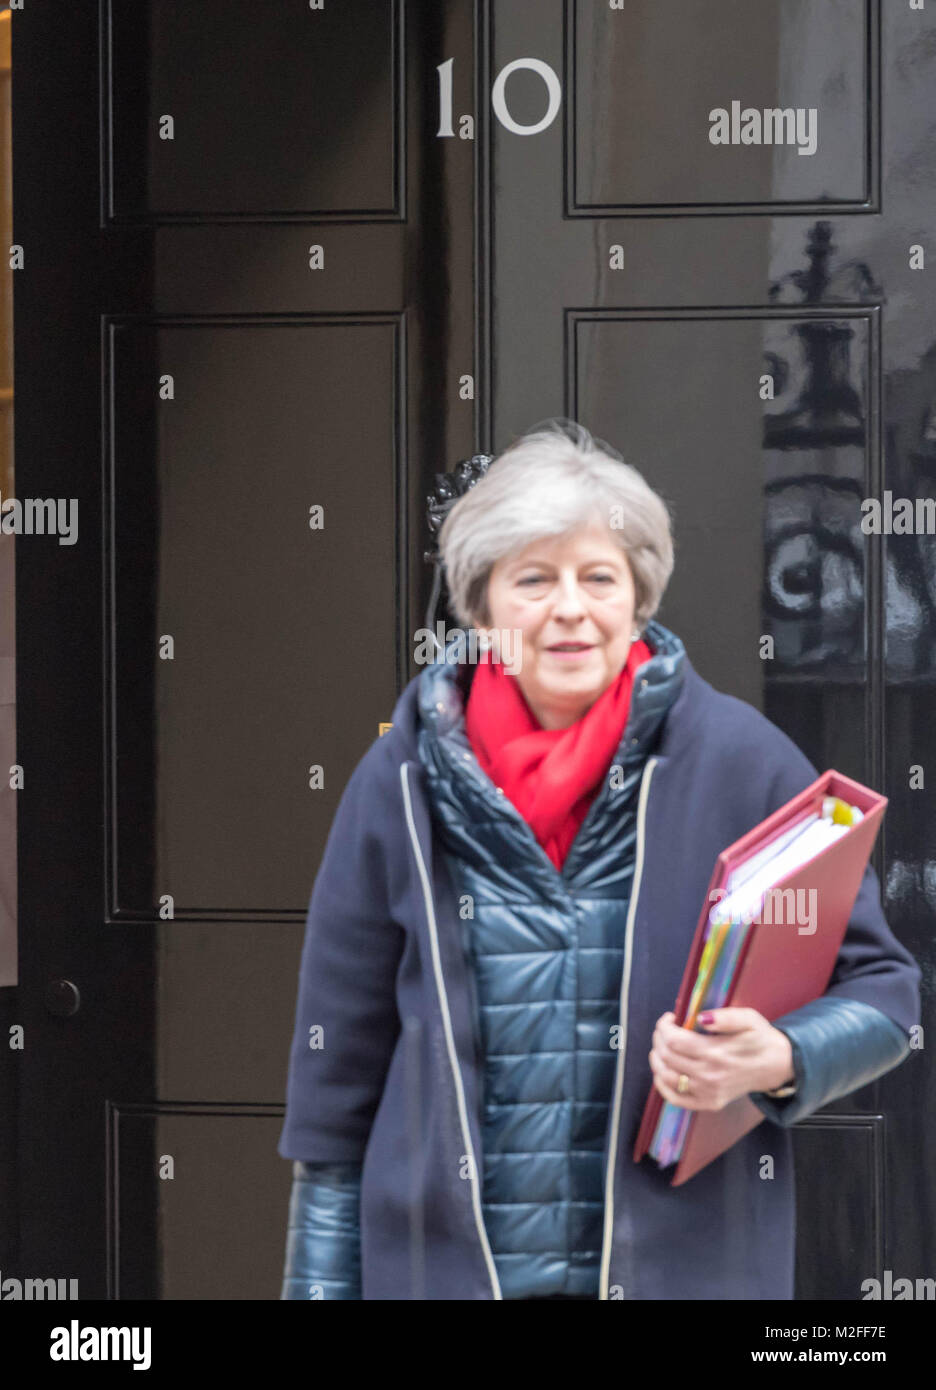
pixel 323 1241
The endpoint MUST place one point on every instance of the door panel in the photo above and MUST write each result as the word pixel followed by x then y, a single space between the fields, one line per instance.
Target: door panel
pixel 241 587
pixel 295 114
pixel 649 77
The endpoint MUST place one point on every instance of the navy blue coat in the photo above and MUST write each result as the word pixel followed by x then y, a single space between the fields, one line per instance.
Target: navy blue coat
pixel 392 1079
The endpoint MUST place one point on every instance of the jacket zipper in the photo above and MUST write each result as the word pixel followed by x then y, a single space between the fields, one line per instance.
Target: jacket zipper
pixel 615 1116
pixel 474 1177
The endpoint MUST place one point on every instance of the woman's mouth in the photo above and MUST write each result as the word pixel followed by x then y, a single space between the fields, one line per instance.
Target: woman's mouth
pixel 569 651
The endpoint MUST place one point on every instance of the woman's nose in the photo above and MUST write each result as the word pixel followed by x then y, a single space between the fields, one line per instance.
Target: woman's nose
pixel 568 600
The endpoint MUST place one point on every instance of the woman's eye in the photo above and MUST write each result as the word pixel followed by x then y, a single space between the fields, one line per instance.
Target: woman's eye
pixel 533 579
pixel 603 578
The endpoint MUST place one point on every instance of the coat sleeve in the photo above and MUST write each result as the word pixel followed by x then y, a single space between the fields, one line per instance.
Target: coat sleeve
pixel 323 1239
pixel 838 1046
pixel 346 1021
pixel 860 1028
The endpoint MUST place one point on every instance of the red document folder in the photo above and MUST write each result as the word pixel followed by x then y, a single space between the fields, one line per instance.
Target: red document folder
pixel 779 969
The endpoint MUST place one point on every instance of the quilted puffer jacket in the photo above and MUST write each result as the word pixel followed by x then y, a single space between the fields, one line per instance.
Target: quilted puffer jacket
pixel 547 950
pixel 454 1138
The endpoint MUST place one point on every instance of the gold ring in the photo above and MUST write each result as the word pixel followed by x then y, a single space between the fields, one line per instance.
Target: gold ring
pixel 682 1085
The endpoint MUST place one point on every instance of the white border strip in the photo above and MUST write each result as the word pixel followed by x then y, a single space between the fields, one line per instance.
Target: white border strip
pixel 449 1036
pixel 622 1039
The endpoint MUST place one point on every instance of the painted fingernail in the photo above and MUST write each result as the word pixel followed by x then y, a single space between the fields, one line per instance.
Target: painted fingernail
pixel 706 1018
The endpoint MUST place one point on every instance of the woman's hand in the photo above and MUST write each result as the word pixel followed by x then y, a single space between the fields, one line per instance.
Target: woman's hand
pixel 738 1052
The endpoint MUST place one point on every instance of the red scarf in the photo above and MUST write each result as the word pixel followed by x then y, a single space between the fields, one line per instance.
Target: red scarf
pixel 550 775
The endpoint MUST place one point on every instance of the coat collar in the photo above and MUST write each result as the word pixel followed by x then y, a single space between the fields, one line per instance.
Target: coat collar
pixel 435 698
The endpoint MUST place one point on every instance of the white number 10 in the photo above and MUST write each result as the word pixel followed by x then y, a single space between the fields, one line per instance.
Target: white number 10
pixel 498 97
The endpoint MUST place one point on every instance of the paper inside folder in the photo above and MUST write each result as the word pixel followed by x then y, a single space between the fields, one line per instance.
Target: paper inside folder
pixel 791 850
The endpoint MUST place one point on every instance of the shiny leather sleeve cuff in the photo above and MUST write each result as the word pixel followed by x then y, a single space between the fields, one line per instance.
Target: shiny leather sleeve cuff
pixel 838 1046
pixel 323 1243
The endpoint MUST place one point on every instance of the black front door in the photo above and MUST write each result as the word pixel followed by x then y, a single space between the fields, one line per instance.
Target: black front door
pixel 281 264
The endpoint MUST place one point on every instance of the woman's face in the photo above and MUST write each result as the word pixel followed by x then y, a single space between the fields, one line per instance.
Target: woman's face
pixel 572 599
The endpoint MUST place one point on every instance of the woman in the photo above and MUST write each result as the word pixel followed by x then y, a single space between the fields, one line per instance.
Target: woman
pixel 499 927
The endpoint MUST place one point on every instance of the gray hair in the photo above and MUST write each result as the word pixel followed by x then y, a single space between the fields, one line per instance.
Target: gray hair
pixel 552 479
